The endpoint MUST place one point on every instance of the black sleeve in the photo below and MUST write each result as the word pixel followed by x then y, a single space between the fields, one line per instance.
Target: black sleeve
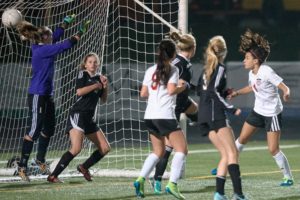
pixel 81 80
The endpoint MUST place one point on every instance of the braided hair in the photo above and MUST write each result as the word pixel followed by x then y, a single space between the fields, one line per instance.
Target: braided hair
pixel 255 44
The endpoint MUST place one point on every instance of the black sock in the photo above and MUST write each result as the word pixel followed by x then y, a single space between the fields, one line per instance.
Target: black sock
pixel 235 174
pixel 162 164
pixel 93 159
pixel 63 163
pixel 26 151
pixel 42 148
pixel 193 117
pixel 220 184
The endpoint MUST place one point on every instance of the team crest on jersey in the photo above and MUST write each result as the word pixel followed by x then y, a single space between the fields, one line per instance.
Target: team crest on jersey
pixel 258 81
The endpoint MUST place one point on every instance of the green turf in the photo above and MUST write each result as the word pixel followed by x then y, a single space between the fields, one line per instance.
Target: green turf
pixel 260 178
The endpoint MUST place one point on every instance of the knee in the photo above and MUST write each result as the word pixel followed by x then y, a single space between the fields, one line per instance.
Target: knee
pixel 105 150
pixel 75 151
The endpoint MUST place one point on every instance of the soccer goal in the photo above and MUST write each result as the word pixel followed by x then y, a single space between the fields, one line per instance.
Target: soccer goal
pixel 125 34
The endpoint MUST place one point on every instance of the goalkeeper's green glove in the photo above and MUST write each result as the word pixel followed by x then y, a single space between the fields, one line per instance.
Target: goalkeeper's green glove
pixel 69 19
pixel 84 27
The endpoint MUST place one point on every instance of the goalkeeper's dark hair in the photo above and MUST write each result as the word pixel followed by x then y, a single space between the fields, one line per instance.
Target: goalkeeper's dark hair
pixel 166 51
pixel 184 42
pixel 255 44
pixel 33 33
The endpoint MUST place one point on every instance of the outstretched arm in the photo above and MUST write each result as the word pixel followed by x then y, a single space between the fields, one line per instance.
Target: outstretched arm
pixel 244 90
pixel 59 31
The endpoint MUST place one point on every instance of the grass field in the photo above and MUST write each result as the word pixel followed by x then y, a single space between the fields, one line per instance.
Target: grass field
pixel 260 178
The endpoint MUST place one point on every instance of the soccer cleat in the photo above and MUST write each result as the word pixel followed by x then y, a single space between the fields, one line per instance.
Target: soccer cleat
pixel 156 185
pixel 53 179
pixel 139 187
pixel 85 172
pixel 23 174
pixel 238 197
pixel 287 182
pixel 218 196
pixel 43 167
pixel 172 188
pixel 214 171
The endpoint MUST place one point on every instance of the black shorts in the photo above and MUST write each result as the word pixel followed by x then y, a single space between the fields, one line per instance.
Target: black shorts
pixel 41 115
pixel 206 127
pixel 271 124
pixel 162 127
pixel 84 122
pixel 182 106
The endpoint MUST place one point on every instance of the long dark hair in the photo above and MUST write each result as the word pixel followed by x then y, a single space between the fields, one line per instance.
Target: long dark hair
pixel 166 51
pixel 256 44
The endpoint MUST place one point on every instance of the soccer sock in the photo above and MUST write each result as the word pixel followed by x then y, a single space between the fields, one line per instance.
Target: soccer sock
pixel 238 145
pixel 283 164
pixel 235 174
pixel 26 150
pixel 220 184
pixel 193 117
pixel 93 159
pixel 162 164
pixel 149 164
pixel 63 163
pixel 42 148
pixel 177 164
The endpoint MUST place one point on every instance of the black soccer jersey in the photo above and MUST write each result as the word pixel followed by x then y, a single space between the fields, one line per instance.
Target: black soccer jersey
pixel 88 102
pixel 212 101
pixel 185 73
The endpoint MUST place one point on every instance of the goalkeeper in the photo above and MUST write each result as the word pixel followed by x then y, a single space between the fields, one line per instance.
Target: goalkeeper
pixel 40 93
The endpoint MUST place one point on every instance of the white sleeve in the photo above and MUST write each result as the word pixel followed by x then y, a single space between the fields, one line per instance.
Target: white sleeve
pixel 146 78
pixel 273 77
pixel 175 76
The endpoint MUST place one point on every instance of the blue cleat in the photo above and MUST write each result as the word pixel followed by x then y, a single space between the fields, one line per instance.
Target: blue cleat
pixel 287 182
pixel 218 196
pixel 139 187
pixel 172 189
pixel 214 171
pixel 156 185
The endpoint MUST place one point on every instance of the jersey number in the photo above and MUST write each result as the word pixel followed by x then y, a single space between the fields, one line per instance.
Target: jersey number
pixel 154 83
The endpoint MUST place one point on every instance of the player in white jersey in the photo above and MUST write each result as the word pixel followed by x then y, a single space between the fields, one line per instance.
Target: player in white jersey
pixel 161 85
pixel 264 82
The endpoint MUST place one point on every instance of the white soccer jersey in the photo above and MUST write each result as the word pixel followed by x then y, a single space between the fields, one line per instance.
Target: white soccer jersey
pixel 265 86
pixel 160 104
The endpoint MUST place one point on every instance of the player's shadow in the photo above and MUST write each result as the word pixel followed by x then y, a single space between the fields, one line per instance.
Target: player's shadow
pixel 129 197
pixel 288 198
pixel 23 185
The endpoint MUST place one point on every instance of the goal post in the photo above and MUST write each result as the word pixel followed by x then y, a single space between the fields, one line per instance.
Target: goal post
pixel 125 34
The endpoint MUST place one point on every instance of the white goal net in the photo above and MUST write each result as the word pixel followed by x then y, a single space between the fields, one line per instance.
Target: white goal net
pixel 125 35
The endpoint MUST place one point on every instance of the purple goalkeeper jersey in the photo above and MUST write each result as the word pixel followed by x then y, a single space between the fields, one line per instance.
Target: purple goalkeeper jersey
pixel 43 57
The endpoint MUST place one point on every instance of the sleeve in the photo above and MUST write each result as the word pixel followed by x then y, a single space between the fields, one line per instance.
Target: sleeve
pixel 55 49
pixel 273 77
pixel 146 78
pixel 81 80
pixel 174 76
pixel 58 33
pixel 222 76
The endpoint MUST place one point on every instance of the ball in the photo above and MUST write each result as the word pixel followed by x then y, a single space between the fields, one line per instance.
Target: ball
pixel 11 17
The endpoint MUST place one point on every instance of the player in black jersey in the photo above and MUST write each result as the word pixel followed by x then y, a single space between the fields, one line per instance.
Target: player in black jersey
pixel 186 45
pixel 90 86
pixel 212 116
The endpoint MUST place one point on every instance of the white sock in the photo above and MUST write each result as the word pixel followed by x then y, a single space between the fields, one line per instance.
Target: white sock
pixel 177 164
pixel 238 145
pixel 283 164
pixel 149 164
